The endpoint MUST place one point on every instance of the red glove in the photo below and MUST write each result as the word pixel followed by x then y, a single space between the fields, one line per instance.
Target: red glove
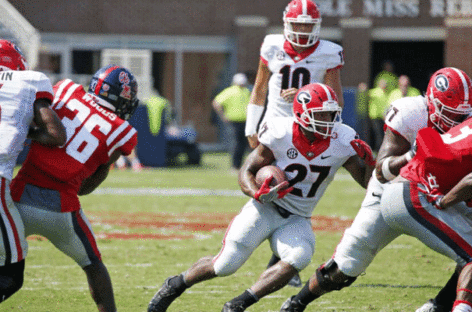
pixel 267 194
pixel 434 197
pixel 364 151
pixel 469 203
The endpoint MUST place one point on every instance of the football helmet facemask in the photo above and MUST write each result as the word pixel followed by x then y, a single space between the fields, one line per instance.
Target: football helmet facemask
pixel 11 57
pixel 302 12
pixel 313 99
pixel 116 89
pixel 448 97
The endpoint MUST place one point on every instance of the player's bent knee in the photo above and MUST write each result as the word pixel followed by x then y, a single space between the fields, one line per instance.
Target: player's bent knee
pixel 330 278
pixel 11 279
pixel 231 258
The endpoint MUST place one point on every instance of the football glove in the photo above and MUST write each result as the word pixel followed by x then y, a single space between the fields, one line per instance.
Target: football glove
pixel 364 151
pixel 434 197
pixel 267 194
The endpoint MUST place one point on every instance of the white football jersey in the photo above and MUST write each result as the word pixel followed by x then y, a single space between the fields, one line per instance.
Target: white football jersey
pixel 18 91
pixel 290 69
pixel 406 116
pixel 309 168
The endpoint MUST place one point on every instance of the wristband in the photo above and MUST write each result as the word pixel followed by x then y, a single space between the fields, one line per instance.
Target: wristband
pixel 386 170
pixel 254 114
pixel 409 155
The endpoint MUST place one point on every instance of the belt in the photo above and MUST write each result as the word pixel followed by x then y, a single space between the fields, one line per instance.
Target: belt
pixel 284 213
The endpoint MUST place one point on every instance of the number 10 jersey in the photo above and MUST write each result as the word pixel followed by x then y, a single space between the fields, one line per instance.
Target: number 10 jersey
pixel 291 69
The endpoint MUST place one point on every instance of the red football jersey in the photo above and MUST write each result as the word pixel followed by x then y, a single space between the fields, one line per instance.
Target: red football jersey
pixel 441 161
pixel 93 134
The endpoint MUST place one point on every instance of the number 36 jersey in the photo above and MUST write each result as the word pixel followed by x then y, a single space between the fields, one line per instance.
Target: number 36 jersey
pixel 93 134
pixel 310 168
pixel 293 70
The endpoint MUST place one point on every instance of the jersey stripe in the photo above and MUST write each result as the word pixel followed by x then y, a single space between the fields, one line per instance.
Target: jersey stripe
pixel 117 132
pixel 60 89
pixel 122 141
pixel 67 96
pixel 14 252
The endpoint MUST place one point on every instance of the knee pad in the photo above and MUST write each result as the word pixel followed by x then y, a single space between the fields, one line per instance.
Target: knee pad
pixel 11 279
pixel 329 280
pixel 231 258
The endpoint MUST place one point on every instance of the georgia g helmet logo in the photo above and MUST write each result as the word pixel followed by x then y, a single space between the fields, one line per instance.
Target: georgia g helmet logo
pixel 304 97
pixel 441 83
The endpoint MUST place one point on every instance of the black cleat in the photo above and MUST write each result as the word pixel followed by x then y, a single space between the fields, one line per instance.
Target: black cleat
pixel 291 306
pixel 232 307
pixel 164 297
pixel 295 281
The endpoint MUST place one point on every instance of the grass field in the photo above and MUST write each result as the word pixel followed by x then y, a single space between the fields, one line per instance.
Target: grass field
pixel 156 223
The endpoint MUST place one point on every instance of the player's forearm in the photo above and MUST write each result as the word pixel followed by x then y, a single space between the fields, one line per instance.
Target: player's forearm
pixel 461 192
pixel 389 167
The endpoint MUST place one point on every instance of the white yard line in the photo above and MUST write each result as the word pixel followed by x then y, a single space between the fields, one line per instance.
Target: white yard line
pixel 145 191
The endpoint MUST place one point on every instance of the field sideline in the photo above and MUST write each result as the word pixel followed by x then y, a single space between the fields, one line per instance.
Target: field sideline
pixel 156 223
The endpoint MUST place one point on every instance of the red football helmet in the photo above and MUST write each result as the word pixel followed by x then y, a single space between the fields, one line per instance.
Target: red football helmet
pixel 11 57
pixel 317 98
pixel 448 96
pixel 302 12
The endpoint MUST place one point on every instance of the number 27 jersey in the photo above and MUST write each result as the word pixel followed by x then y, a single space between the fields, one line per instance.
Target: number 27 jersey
pixel 93 134
pixel 309 167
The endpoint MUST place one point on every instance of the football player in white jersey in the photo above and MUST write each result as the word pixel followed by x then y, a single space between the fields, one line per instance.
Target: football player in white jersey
pixel 290 61
pixel 25 97
pixel 309 148
pixel 447 103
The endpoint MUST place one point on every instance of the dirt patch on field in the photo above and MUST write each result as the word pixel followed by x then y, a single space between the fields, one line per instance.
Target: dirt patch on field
pixel 182 226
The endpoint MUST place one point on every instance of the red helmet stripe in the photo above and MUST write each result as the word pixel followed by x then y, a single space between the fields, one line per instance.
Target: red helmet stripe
pixel 465 83
pixel 102 77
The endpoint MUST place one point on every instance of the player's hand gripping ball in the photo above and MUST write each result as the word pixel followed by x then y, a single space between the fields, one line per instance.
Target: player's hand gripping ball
pixel 272 184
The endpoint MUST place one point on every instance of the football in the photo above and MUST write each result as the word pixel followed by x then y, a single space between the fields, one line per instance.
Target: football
pixel 265 172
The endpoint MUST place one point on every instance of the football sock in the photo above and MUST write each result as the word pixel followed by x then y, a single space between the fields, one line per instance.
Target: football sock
pixel 178 282
pixel 305 296
pixel 447 294
pixel 246 299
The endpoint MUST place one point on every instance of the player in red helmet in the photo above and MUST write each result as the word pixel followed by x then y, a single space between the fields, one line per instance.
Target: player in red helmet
pixel 290 61
pixel 25 97
pixel 446 103
pixel 432 198
pixel 449 98
pixel 309 149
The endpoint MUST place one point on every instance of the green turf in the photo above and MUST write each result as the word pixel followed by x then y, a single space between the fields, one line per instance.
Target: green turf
pixel 401 278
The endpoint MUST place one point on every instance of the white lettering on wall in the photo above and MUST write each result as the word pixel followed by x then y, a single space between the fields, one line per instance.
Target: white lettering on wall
pixel 341 8
pixel 441 8
pixel 396 8
pixel 391 8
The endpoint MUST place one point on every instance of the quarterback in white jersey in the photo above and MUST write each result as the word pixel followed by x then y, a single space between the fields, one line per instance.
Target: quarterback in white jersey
pixel 445 105
pixel 25 97
pixel 309 148
pixel 290 61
